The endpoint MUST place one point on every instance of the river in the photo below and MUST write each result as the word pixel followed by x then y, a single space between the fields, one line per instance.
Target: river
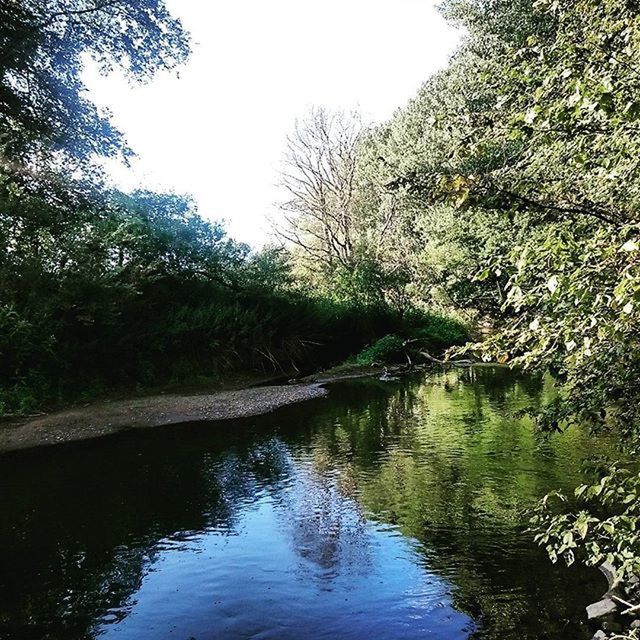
pixel 390 510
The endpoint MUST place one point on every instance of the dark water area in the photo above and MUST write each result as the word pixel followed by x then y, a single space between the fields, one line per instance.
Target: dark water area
pixel 387 510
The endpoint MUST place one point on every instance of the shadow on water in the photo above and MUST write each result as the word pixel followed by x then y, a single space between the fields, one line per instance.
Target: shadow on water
pixel 387 509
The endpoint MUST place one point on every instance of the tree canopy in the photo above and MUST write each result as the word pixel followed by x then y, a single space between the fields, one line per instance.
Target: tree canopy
pixel 44 45
pixel 512 181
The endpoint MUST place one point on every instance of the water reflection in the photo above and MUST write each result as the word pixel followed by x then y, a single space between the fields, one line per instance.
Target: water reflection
pixel 392 510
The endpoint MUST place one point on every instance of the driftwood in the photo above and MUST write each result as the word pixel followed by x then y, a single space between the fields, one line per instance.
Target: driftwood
pixel 455 363
pixel 427 356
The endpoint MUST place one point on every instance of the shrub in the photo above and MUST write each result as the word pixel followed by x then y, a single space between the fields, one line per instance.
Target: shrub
pixel 383 350
pixel 440 331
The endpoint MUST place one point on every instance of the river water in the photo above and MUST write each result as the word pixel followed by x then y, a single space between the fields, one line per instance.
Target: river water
pixel 389 510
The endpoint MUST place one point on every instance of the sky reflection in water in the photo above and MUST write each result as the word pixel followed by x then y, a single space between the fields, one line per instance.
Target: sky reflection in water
pixel 390 511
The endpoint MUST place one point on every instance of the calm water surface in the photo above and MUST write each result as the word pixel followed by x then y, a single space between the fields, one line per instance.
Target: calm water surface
pixel 388 510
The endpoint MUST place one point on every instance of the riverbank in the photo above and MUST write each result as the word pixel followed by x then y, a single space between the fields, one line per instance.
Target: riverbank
pixel 111 417
pixel 243 398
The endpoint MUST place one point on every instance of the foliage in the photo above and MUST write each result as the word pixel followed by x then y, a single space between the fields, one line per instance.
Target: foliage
pixel 604 529
pixel 44 46
pixel 420 330
pixel 439 331
pixel 381 350
pixel 575 297
pixel 565 125
pixel 555 151
pixel 513 177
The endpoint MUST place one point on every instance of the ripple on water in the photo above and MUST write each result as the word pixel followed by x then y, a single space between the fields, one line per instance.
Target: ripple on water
pixel 387 511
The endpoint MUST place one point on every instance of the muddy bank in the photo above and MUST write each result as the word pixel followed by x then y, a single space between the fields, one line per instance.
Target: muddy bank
pixel 106 418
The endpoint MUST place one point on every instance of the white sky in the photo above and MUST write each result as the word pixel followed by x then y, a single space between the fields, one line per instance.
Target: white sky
pixel 218 130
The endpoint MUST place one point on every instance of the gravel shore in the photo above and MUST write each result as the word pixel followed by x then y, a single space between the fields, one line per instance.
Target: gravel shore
pixel 97 420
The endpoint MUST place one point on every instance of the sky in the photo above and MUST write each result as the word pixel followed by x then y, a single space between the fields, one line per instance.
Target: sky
pixel 216 129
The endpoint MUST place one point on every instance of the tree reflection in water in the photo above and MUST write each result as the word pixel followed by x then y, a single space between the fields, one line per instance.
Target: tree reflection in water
pixel 403 492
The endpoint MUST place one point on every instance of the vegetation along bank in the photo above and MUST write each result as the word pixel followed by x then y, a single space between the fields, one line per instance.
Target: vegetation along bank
pixel 502 202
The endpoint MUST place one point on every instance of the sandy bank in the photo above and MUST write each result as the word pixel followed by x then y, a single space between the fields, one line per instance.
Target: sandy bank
pixel 105 418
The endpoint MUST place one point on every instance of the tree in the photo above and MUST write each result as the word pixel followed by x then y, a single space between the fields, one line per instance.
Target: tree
pixel 319 175
pixel 43 47
pixel 338 223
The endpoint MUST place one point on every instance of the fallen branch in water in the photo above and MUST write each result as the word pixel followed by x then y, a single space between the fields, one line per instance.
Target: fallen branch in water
pixel 457 363
pixel 428 356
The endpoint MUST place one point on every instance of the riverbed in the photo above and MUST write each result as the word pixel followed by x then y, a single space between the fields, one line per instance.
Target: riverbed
pixel 392 510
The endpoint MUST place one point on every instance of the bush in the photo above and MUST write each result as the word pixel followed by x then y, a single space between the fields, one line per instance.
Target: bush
pixel 381 351
pixel 424 330
pixel 440 331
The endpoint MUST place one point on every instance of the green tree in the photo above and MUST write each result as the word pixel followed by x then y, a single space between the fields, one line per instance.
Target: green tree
pixel 515 172
pixel 44 46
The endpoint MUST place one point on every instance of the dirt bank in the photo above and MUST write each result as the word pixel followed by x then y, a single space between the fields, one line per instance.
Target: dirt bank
pixel 105 418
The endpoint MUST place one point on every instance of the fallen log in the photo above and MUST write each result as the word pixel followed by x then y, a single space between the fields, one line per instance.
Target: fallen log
pixel 455 363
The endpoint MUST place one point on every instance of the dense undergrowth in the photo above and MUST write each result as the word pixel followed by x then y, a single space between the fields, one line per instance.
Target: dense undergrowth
pixel 177 332
pixel 422 332
pixel 199 331
pixel 145 292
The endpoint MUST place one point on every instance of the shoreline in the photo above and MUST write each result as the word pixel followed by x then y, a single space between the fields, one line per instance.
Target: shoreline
pixel 111 417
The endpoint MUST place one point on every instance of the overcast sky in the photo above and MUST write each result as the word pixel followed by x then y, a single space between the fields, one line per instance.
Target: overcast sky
pixel 217 129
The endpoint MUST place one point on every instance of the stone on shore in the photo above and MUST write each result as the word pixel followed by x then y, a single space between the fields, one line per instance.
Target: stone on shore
pixel 609 573
pixel 601 609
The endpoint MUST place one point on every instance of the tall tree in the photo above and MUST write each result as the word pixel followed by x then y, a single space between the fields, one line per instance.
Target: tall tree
pixel 338 219
pixel 319 175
